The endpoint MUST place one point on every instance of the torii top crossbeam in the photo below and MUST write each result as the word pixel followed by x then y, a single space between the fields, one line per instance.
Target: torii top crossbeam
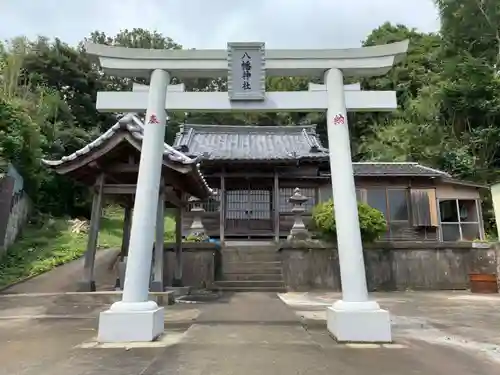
pixel 139 62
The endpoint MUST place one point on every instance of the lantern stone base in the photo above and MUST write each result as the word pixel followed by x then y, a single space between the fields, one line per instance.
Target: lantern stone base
pixel 362 322
pixel 130 326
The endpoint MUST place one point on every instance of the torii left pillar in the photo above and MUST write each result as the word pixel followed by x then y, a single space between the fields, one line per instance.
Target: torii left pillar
pixel 135 318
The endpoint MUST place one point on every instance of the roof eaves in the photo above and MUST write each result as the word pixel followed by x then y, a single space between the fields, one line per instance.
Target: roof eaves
pixel 454 181
pixel 440 172
pixel 135 128
pixel 429 171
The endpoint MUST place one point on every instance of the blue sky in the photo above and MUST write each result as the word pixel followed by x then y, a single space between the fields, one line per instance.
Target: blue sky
pixel 211 23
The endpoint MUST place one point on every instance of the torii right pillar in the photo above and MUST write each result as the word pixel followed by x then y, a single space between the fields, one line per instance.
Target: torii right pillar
pixel 355 318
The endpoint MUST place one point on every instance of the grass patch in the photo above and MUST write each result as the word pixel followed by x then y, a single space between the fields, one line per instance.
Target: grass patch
pixel 46 245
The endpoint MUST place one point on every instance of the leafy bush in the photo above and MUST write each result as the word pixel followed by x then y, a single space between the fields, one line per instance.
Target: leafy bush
pixel 197 237
pixel 371 221
pixel 48 242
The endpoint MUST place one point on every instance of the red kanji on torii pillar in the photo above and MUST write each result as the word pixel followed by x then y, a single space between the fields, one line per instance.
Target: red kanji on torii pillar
pixel 153 120
pixel 339 120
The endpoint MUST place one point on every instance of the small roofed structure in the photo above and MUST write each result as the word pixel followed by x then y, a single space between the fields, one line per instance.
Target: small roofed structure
pixel 109 166
pixel 116 153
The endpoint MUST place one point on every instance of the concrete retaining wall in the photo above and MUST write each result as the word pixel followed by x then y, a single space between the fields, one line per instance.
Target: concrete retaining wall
pixel 390 266
pixel 18 218
pixel 15 208
pixel 198 266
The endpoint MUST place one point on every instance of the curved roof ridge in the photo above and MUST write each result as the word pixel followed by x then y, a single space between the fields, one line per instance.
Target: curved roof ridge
pixel 131 123
pixel 135 127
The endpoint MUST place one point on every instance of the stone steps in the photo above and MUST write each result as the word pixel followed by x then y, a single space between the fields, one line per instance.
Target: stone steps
pixel 246 288
pixel 257 257
pixel 250 283
pixel 251 268
pixel 242 270
pixel 253 277
pixel 250 255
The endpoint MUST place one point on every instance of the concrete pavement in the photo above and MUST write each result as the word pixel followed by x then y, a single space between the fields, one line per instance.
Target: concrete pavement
pixel 245 333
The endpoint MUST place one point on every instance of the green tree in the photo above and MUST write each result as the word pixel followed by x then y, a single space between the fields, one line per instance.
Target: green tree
pixel 136 38
pixel 392 136
pixel 29 128
pixel 469 94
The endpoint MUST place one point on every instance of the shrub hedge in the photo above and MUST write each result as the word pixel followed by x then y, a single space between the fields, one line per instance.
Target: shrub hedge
pixel 372 222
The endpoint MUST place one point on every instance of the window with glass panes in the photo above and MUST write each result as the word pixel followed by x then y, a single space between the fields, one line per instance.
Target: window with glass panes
pixel 459 219
pixel 393 203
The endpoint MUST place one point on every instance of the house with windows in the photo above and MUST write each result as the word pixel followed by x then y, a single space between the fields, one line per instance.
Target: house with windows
pixel 254 170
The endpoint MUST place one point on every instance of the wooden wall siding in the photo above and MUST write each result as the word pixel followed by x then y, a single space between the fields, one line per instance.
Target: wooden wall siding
pixel 456 192
pixel 424 212
pixel 298 171
pixel 414 182
pixel 403 231
pixel 443 190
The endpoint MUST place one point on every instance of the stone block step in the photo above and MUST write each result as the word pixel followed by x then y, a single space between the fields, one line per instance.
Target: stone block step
pixel 252 248
pixel 253 277
pixel 248 270
pixel 252 267
pixel 250 289
pixel 265 245
pixel 242 256
pixel 250 284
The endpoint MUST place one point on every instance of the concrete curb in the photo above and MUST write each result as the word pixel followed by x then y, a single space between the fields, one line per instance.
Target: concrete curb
pixel 161 298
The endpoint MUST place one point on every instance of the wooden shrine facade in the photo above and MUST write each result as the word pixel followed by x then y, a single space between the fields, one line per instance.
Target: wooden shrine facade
pixel 254 170
pixel 254 204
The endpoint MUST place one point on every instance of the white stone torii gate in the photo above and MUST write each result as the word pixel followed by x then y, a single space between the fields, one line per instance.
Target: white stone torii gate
pixel 355 317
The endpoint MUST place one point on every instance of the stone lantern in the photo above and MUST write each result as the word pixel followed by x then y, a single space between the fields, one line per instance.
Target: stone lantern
pixel 197 227
pixel 299 230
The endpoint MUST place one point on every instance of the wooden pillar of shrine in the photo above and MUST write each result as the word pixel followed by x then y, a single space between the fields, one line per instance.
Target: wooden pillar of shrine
pixel 87 284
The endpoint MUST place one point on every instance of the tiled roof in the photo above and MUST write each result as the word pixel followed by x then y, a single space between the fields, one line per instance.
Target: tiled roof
pixel 395 169
pixel 135 127
pixel 255 143
pixel 226 142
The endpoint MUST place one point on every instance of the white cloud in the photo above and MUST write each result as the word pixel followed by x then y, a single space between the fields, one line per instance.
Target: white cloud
pixel 211 23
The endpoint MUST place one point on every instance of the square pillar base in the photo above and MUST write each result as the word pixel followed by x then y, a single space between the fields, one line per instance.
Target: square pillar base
pixel 130 326
pixel 157 286
pixel 370 326
pixel 177 283
pixel 86 286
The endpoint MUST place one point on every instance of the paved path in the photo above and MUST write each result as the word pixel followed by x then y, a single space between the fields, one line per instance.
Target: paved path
pixel 65 277
pixel 243 334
